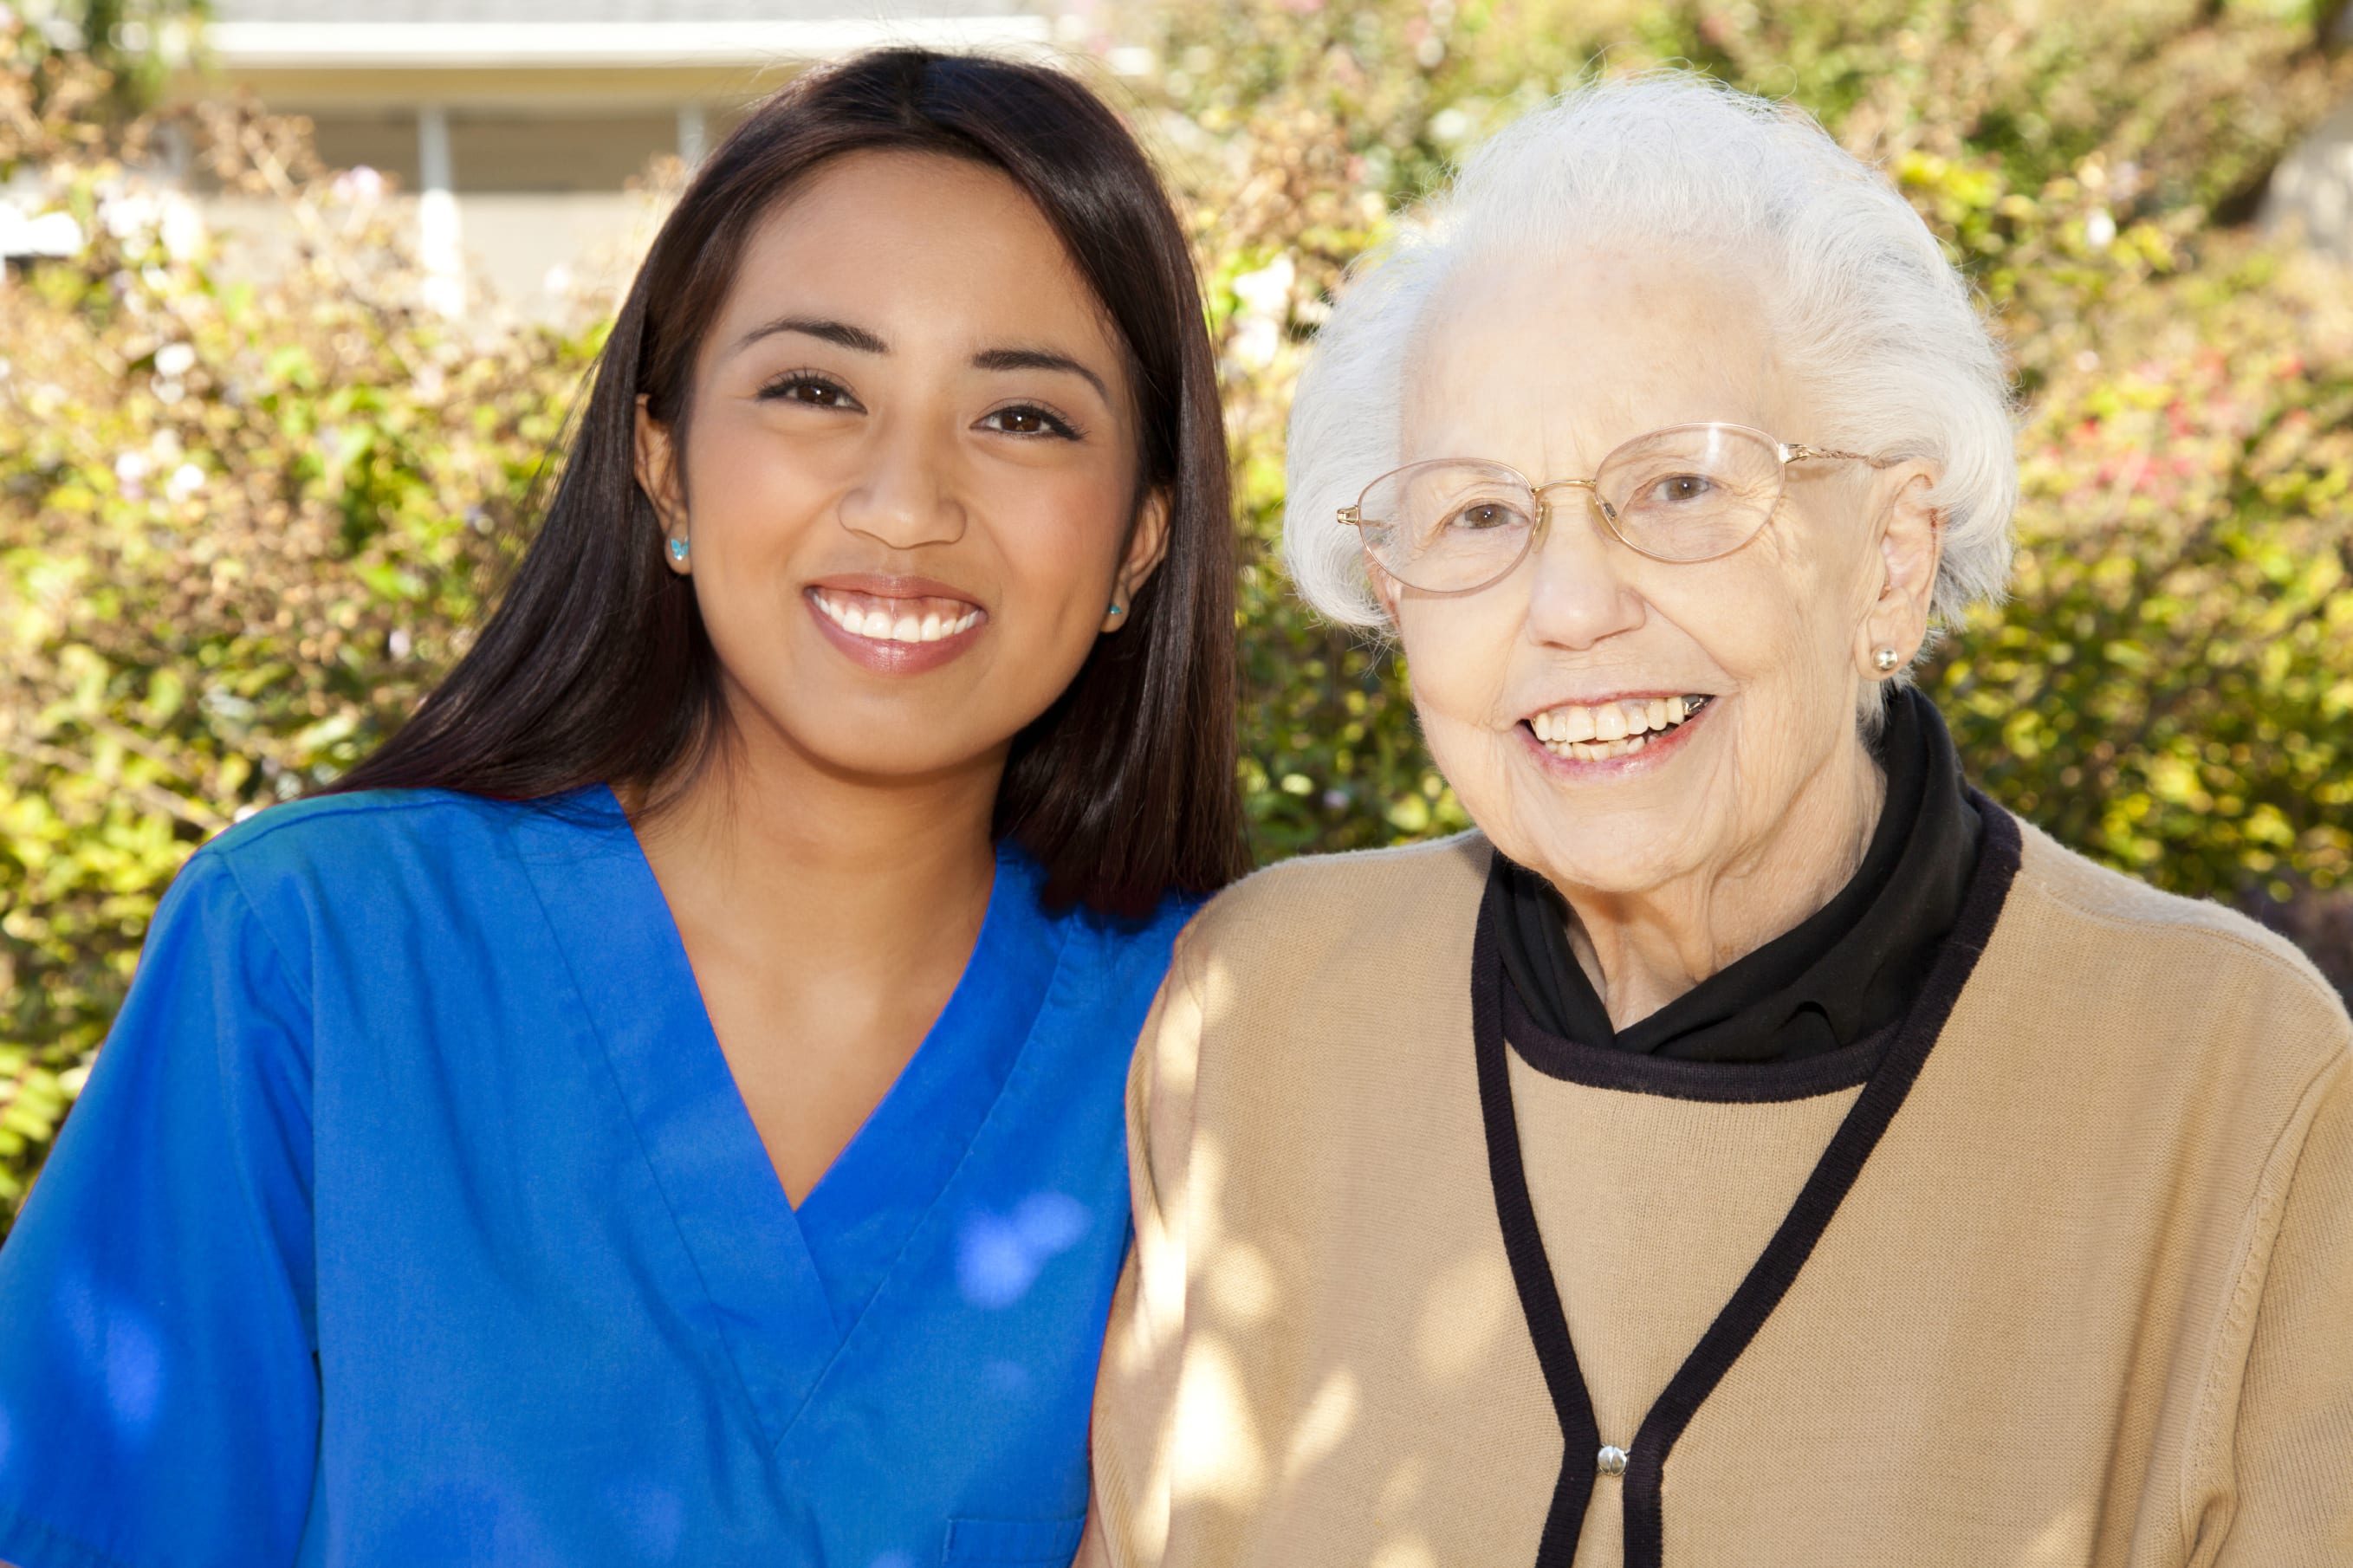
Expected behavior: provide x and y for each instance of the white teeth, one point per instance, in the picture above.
(1605, 730)
(882, 625)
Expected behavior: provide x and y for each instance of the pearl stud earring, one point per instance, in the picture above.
(1886, 659)
(678, 551)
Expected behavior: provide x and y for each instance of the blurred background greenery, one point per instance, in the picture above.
(246, 519)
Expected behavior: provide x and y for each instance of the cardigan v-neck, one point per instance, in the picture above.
(1884, 1066)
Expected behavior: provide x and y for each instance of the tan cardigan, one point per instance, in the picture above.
(2059, 1270)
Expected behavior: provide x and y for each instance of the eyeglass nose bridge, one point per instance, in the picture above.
(1592, 489)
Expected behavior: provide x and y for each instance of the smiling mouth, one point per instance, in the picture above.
(878, 618)
(1619, 728)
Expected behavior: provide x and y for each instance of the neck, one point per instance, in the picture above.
(1643, 949)
(833, 872)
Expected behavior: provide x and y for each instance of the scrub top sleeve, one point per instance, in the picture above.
(159, 1398)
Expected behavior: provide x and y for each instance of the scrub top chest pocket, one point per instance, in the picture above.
(1014, 1543)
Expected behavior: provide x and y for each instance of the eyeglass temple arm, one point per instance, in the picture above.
(1798, 452)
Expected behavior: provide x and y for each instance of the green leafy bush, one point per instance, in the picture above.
(243, 527)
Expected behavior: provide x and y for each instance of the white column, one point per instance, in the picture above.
(692, 135)
(439, 248)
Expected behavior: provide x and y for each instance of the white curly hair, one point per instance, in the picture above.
(1897, 355)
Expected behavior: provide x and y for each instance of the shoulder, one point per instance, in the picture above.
(393, 853)
(2172, 961)
(1299, 911)
(327, 831)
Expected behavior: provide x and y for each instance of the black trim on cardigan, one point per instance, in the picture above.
(1599, 1067)
(1515, 1211)
(1776, 1269)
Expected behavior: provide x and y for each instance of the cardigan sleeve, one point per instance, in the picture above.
(1136, 1391)
(2291, 1462)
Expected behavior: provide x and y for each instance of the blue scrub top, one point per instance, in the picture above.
(411, 1216)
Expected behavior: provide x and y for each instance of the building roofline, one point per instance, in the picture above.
(483, 45)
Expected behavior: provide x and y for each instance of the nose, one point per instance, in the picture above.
(1579, 593)
(906, 498)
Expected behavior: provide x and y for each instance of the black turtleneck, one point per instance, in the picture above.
(1847, 970)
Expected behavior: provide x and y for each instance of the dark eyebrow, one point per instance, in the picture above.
(841, 332)
(1037, 359)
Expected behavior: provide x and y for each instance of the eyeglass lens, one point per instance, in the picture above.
(1688, 494)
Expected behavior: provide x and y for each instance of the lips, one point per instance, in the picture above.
(895, 625)
(879, 619)
(1613, 729)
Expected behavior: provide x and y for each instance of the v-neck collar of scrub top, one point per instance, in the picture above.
(787, 1287)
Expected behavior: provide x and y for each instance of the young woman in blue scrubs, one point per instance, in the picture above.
(667, 1107)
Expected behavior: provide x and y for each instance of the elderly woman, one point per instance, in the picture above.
(1752, 1145)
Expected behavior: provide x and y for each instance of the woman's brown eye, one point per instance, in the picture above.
(809, 392)
(1028, 422)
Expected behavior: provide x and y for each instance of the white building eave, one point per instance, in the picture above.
(494, 45)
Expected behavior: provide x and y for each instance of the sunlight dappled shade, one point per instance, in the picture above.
(1242, 1287)
(1406, 1551)
(119, 1350)
(1468, 1307)
(1000, 1257)
(1324, 1426)
(1219, 1457)
(652, 1517)
(1008, 1379)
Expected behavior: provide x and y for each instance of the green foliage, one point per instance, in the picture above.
(242, 528)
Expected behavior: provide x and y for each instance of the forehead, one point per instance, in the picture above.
(918, 246)
(1548, 363)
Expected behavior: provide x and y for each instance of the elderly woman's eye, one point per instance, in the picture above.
(1483, 515)
(1680, 488)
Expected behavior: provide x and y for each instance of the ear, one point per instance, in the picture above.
(1384, 587)
(1911, 545)
(1148, 547)
(657, 470)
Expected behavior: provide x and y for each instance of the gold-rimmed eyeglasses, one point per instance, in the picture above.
(1687, 493)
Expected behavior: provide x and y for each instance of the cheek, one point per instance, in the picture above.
(1060, 540)
(1459, 663)
(1458, 657)
(1766, 616)
(748, 493)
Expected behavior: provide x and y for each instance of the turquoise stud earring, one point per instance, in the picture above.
(1116, 610)
(678, 551)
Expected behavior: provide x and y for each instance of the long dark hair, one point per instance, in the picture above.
(595, 665)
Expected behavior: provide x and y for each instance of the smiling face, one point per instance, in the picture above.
(909, 471)
(1619, 723)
